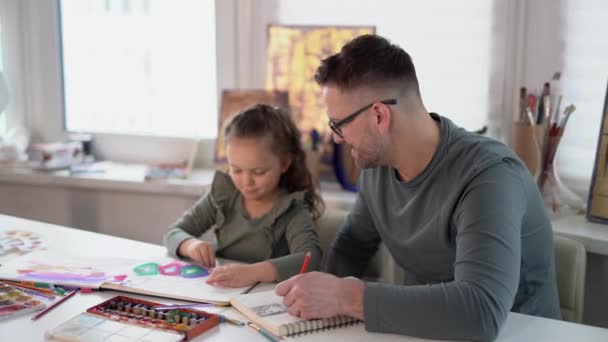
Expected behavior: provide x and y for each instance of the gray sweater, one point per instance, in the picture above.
(471, 234)
(282, 236)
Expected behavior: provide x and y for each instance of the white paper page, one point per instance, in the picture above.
(69, 270)
(173, 286)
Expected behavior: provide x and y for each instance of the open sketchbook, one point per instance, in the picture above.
(267, 309)
(163, 277)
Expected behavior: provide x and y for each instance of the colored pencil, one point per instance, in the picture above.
(33, 288)
(35, 293)
(305, 263)
(54, 305)
(264, 332)
(231, 320)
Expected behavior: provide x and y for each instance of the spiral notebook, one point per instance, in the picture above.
(267, 309)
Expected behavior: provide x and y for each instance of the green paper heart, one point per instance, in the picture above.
(193, 271)
(149, 268)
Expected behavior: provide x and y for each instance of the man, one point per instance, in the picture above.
(458, 212)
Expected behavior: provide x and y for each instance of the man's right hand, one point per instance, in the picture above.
(321, 295)
(199, 251)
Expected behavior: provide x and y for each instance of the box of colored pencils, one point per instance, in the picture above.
(188, 322)
(15, 301)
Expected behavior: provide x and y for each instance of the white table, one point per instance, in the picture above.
(74, 241)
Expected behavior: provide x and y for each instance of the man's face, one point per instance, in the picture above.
(359, 133)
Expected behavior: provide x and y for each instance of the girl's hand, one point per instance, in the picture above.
(234, 275)
(199, 251)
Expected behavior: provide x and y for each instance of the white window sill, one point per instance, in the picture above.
(130, 178)
(112, 177)
(594, 236)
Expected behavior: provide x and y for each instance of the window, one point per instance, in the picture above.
(143, 67)
(584, 80)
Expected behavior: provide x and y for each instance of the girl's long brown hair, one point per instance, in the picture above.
(283, 138)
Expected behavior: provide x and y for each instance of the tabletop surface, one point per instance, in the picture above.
(79, 242)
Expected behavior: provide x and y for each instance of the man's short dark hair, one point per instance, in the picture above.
(369, 60)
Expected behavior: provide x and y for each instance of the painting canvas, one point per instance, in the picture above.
(292, 57)
(234, 101)
(597, 207)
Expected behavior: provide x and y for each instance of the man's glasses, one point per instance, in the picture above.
(336, 127)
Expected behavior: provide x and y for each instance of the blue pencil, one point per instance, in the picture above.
(264, 332)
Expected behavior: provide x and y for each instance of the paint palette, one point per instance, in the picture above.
(126, 312)
(19, 241)
(91, 328)
(14, 302)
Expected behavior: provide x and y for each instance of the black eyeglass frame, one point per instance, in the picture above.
(336, 127)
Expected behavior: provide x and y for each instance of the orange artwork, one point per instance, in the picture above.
(292, 57)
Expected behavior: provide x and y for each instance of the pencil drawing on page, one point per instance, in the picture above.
(269, 309)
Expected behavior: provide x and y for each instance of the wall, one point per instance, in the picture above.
(139, 216)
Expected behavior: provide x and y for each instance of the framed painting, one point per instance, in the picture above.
(293, 55)
(597, 206)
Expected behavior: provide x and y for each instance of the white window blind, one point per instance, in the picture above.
(449, 41)
(140, 67)
(584, 81)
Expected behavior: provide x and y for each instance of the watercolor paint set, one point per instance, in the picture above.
(135, 319)
(14, 302)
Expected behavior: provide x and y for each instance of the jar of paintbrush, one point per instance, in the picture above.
(528, 131)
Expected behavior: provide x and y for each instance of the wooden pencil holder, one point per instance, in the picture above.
(526, 142)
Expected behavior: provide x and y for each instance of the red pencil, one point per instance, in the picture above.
(305, 263)
(54, 305)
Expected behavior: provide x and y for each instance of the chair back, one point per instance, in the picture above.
(570, 266)
(328, 226)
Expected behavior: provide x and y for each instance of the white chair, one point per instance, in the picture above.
(570, 266)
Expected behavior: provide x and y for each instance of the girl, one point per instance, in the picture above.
(261, 212)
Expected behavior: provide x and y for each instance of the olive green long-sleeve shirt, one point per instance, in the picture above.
(282, 236)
